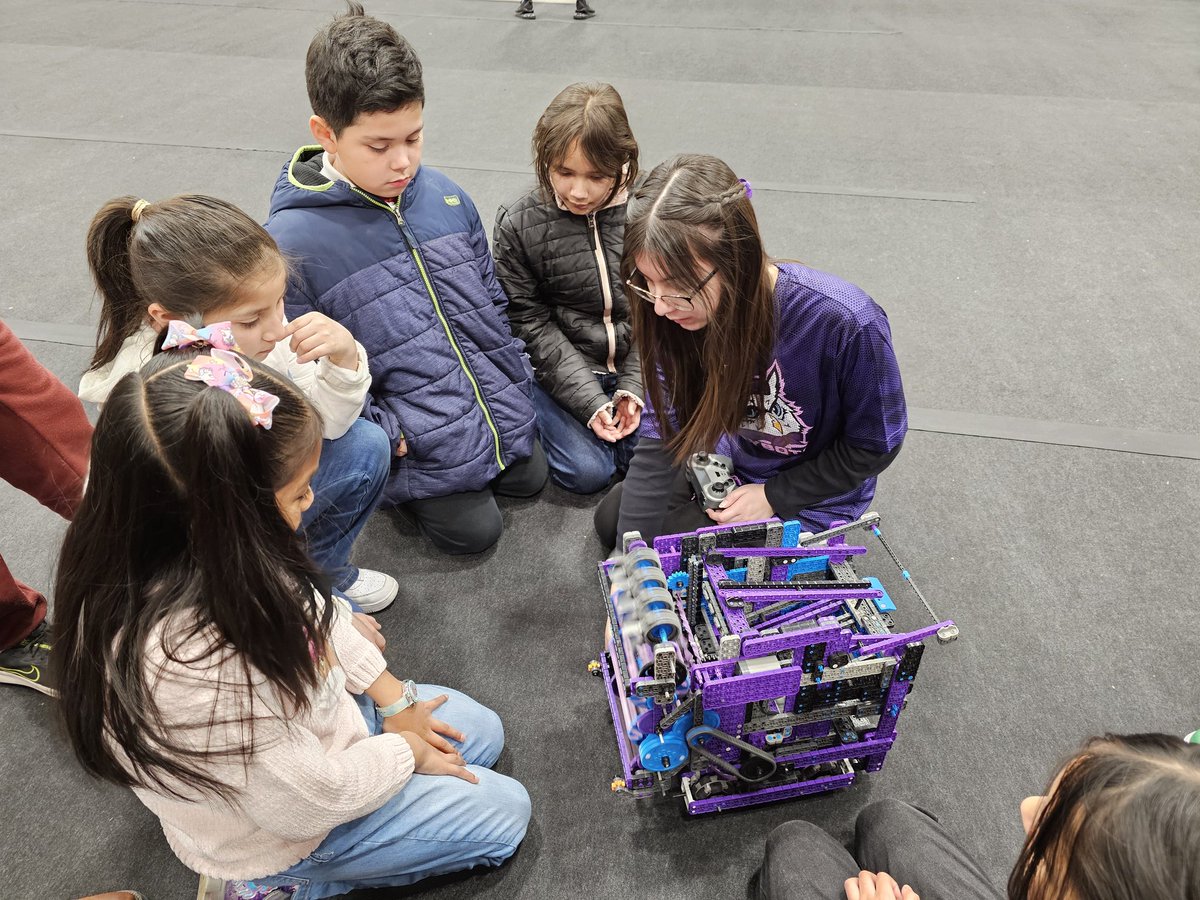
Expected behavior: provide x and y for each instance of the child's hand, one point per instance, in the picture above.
(315, 336)
(402, 448)
(746, 503)
(629, 416)
(428, 760)
(369, 628)
(602, 425)
(877, 886)
(419, 719)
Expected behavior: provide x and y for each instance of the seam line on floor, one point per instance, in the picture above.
(764, 186)
(933, 421)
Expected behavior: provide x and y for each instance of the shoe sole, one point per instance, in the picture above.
(378, 606)
(12, 678)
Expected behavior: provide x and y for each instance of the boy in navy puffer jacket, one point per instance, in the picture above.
(396, 252)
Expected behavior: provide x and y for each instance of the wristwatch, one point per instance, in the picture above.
(407, 699)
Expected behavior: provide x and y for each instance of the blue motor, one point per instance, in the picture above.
(668, 751)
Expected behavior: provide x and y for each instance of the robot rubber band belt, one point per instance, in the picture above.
(752, 663)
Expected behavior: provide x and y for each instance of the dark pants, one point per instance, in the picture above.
(470, 521)
(682, 513)
(803, 862)
(44, 443)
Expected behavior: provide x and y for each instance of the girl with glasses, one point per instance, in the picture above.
(787, 370)
(558, 256)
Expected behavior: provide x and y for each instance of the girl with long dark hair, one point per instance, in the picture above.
(788, 370)
(203, 663)
(1119, 821)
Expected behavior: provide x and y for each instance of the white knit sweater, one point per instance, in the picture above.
(309, 772)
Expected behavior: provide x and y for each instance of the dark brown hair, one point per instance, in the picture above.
(1121, 821)
(692, 215)
(180, 527)
(191, 254)
(594, 116)
(360, 64)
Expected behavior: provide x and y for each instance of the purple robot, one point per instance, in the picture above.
(750, 663)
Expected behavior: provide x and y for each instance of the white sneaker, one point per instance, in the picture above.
(373, 591)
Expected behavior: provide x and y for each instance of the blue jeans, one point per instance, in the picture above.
(346, 489)
(579, 461)
(435, 824)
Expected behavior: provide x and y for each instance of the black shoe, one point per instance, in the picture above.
(28, 663)
(582, 10)
(525, 9)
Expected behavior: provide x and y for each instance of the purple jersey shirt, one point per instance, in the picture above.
(833, 376)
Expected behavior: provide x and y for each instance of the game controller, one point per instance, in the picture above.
(711, 477)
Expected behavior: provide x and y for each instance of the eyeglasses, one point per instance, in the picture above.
(675, 301)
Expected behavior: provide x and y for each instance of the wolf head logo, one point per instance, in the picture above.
(781, 428)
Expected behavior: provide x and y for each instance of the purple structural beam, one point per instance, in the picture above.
(836, 639)
(870, 644)
(790, 552)
(856, 750)
(805, 612)
(770, 794)
(764, 597)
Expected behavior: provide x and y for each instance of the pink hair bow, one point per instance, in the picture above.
(218, 335)
(230, 373)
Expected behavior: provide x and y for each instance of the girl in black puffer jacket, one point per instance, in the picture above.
(558, 257)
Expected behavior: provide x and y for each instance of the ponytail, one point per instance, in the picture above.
(121, 311)
(190, 254)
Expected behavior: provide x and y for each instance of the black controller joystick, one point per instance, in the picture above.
(711, 477)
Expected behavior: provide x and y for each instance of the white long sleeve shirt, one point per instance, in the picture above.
(309, 772)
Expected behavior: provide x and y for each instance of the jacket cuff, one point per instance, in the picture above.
(641, 404)
(607, 406)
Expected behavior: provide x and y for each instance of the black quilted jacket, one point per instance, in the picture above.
(548, 263)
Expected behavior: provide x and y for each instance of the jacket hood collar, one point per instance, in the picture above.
(302, 183)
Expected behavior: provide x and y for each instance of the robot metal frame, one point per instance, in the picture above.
(753, 663)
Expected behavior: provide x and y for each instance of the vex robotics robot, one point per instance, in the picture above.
(752, 663)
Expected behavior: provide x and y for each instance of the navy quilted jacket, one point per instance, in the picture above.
(417, 289)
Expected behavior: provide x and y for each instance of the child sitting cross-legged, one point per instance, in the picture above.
(202, 260)
(204, 664)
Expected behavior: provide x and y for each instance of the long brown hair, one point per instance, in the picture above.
(191, 254)
(1121, 820)
(180, 526)
(594, 116)
(692, 214)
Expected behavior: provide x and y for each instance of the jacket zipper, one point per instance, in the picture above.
(606, 290)
(437, 308)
